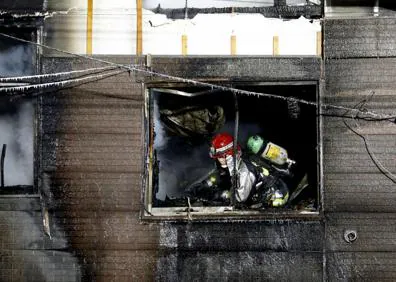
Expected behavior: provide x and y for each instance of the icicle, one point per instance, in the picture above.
(51, 75)
(198, 83)
(60, 84)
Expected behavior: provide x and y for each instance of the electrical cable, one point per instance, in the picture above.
(51, 75)
(369, 116)
(61, 51)
(373, 158)
(205, 84)
(376, 162)
(61, 84)
(391, 119)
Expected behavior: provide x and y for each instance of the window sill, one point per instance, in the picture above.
(225, 213)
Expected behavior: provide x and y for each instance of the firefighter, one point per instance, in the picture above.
(255, 185)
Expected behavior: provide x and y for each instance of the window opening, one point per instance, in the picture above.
(276, 148)
(17, 122)
(16, 139)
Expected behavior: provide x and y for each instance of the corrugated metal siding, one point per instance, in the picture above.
(365, 37)
(241, 251)
(240, 68)
(240, 266)
(91, 164)
(92, 153)
(362, 266)
(96, 173)
(357, 195)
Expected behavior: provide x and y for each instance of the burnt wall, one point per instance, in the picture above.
(359, 38)
(359, 73)
(91, 167)
(266, 250)
(91, 154)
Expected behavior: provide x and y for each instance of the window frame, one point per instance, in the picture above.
(34, 189)
(204, 213)
(35, 34)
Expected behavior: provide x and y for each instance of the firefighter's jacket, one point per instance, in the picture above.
(255, 184)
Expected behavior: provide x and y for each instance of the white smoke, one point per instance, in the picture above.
(181, 163)
(17, 118)
(16, 60)
(177, 168)
(16, 131)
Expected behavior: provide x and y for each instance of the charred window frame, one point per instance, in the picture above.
(19, 115)
(300, 113)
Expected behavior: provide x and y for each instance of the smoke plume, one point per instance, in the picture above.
(17, 118)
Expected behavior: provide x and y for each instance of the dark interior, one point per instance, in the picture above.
(185, 159)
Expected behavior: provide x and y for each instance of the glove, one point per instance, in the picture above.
(279, 199)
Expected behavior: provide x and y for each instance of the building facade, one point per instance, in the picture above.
(86, 218)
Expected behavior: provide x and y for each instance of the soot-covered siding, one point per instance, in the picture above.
(359, 38)
(358, 196)
(90, 169)
(91, 146)
(265, 250)
(92, 159)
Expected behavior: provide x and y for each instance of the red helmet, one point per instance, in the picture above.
(222, 146)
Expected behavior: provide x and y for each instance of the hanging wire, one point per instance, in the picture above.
(373, 158)
(53, 75)
(61, 51)
(210, 85)
(61, 84)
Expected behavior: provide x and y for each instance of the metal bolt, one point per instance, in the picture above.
(350, 236)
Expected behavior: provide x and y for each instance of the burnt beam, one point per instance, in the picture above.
(17, 20)
(279, 10)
